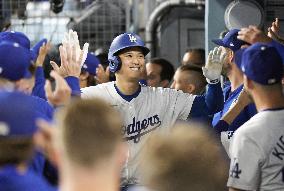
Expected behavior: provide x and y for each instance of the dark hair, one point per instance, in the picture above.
(195, 76)
(168, 69)
(190, 68)
(200, 52)
(15, 150)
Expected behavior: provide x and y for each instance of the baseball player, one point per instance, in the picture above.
(160, 72)
(95, 159)
(230, 44)
(18, 132)
(147, 109)
(89, 68)
(257, 149)
(13, 70)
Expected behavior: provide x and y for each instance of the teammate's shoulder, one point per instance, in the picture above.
(249, 128)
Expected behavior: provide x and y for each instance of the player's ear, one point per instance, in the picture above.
(191, 88)
(231, 55)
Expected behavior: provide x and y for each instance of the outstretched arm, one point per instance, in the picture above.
(213, 100)
(38, 89)
(72, 59)
(243, 101)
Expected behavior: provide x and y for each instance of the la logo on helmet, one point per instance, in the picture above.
(132, 38)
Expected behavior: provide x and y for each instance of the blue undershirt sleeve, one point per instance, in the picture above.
(38, 89)
(73, 83)
(210, 103)
(221, 126)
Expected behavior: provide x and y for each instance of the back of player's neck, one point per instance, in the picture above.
(267, 102)
(90, 180)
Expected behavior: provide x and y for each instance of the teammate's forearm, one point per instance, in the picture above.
(214, 98)
(208, 104)
(38, 89)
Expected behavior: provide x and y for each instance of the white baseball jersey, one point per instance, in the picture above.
(154, 109)
(257, 153)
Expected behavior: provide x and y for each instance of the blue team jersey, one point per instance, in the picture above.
(12, 180)
(229, 100)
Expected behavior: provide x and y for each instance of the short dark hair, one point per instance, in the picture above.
(200, 52)
(190, 68)
(195, 76)
(168, 69)
(16, 150)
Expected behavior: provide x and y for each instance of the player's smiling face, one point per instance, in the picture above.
(133, 63)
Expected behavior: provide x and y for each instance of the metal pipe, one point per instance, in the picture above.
(157, 13)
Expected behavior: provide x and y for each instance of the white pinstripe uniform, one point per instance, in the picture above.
(152, 110)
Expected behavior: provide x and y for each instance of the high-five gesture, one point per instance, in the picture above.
(72, 57)
(71, 38)
(214, 64)
(62, 93)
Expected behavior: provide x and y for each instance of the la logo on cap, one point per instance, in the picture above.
(132, 38)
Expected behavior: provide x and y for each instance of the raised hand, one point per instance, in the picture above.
(42, 53)
(70, 65)
(253, 35)
(273, 31)
(62, 93)
(72, 39)
(213, 66)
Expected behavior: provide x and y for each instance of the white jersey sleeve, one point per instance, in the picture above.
(246, 160)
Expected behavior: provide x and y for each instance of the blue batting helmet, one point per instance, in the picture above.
(121, 42)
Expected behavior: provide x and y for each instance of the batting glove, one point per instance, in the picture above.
(213, 66)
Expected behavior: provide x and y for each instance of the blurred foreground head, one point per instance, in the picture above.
(89, 133)
(187, 159)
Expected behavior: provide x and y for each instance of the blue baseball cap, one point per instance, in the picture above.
(17, 115)
(238, 57)
(14, 61)
(23, 40)
(18, 37)
(260, 63)
(230, 40)
(91, 64)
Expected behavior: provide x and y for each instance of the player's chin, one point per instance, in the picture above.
(135, 77)
(135, 73)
